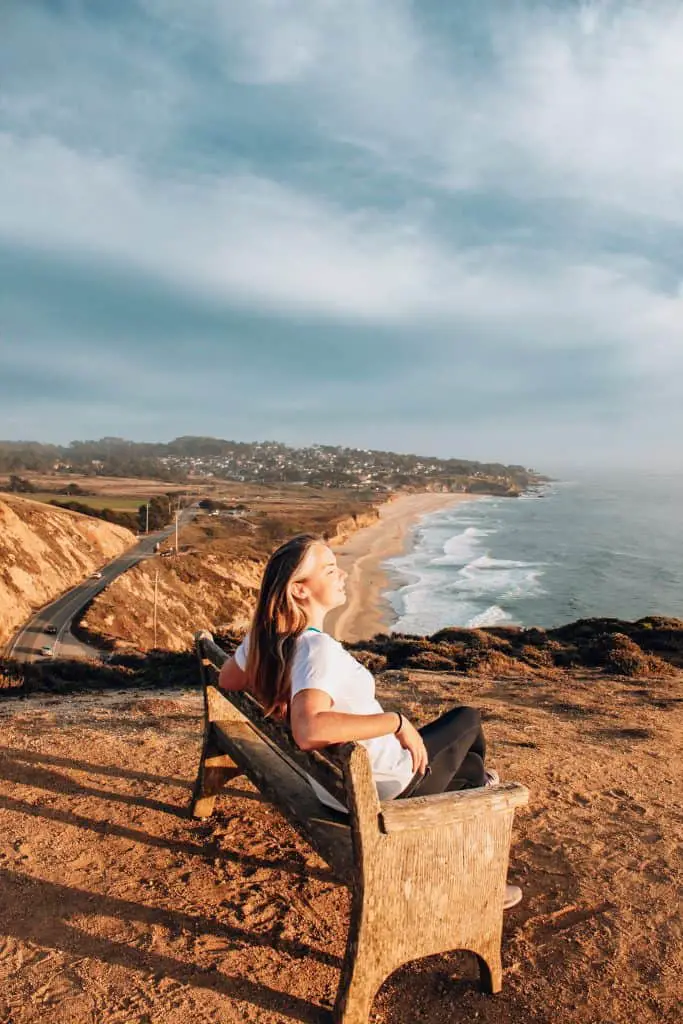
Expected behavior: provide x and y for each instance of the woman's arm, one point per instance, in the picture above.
(231, 676)
(314, 726)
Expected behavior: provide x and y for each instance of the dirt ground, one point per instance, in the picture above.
(117, 907)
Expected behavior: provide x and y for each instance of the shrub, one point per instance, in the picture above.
(431, 661)
(373, 662)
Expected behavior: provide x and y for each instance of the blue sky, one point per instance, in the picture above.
(454, 229)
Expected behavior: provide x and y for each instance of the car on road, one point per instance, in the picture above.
(47, 652)
(50, 630)
(96, 576)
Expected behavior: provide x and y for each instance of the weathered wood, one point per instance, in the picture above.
(425, 812)
(214, 772)
(427, 874)
(327, 832)
(215, 767)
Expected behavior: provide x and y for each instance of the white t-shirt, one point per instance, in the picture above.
(321, 663)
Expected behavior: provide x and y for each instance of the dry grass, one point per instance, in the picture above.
(650, 647)
(96, 501)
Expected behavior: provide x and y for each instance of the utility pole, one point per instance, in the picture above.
(156, 591)
(147, 519)
(176, 530)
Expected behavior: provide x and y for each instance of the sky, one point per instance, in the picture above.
(454, 229)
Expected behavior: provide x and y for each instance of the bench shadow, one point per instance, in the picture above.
(23, 893)
(207, 850)
(451, 978)
(57, 782)
(31, 757)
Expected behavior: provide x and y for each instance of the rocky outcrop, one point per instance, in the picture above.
(652, 646)
(346, 527)
(45, 551)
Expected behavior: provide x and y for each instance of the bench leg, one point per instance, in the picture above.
(490, 971)
(361, 975)
(357, 989)
(215, 770)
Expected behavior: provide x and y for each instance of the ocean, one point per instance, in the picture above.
(575, 549)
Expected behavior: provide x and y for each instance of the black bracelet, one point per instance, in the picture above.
(400, 723)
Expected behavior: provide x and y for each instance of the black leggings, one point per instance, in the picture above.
(456, 747)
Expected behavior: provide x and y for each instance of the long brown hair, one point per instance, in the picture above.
(277, 622)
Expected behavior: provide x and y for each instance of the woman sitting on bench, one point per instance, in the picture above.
(293, 668)
(297, 671)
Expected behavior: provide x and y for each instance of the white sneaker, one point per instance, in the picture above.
(513, 896)
(492, 777)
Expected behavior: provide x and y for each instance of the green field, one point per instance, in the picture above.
(120, 503)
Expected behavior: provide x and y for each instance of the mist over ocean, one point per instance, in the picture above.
(578, 548)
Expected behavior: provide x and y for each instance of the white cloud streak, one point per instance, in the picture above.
(574, 101)
(246, 240)
(572, 105)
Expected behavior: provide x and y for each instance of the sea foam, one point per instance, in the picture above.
(450, 578)
(599, 546)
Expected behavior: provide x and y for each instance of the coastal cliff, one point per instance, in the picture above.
(198, 592)
(345, 528)
(44, 552)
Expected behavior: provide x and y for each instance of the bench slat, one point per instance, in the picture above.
(326, 831)
(425, 812)
(313, 763)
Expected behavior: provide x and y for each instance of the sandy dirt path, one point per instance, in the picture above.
(116, 907)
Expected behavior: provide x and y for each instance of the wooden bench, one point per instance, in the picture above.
(426, 874)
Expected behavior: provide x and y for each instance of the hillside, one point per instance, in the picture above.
(267, 462)
(148, 915)
(45, 551)
(213, 582)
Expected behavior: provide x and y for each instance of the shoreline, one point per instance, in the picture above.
(366, 611)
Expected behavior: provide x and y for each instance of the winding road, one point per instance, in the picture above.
(58, 616)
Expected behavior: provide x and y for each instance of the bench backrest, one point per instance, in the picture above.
(324, 768)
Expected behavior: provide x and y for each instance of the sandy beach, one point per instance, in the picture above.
(366, 612)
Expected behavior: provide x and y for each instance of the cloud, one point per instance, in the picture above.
(576, 101)
(429, 207)
(251, 242)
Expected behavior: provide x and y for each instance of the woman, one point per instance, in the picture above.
(295, 669)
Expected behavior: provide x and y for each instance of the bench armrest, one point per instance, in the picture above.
(424, 812)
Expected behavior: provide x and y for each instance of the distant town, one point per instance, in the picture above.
(267, 462)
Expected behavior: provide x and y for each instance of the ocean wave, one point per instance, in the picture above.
(491, 616)
(470, 533)
(591, 547)
(486, 562)
(423, 610)
(506, 584)
(462, 547)
(450, 576)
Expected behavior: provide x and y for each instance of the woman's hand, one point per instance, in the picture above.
(410, 739)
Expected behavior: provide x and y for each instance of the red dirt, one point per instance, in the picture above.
(119, 908)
